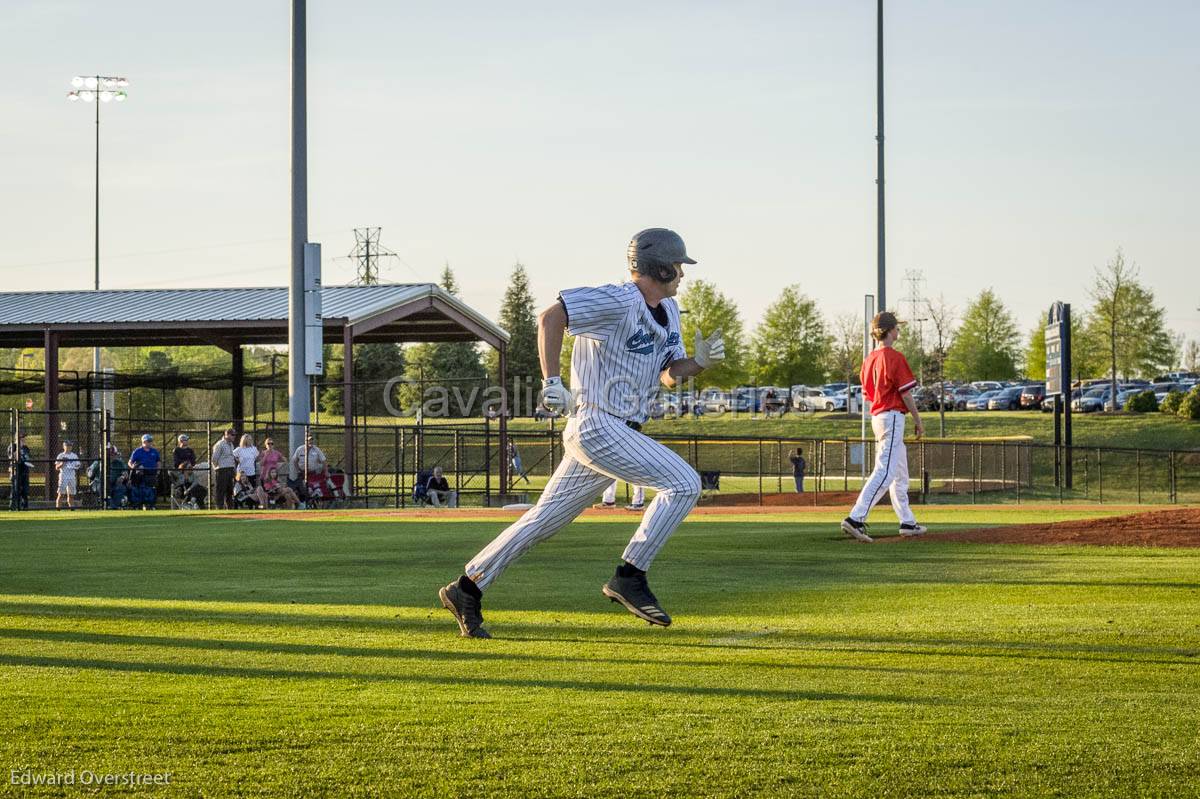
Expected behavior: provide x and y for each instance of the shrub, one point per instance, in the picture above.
(1145, 402)
(1170, 403)
(1189, 407)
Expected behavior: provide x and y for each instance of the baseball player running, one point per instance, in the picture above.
(887, 384)
(627, 341)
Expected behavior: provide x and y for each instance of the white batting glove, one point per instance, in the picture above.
(555, 396)
(709, 350)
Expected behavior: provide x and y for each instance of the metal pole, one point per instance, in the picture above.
(96, 286)
(882, 289)
(298, 383)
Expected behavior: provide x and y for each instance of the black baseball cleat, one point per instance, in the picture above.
(856, 530)
(634, 593)
(912, 530)
(467, 610)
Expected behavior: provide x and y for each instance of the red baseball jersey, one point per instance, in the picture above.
(885, 377)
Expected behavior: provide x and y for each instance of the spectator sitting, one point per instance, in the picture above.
(118, 478)
(438, 490)
(277, 491)
(245, 492)
(248, 457)
(67, 463)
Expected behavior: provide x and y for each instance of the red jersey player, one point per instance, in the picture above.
(887, 383)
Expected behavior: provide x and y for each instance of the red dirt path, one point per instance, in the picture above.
(1163, 528)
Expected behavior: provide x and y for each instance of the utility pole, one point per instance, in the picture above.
(881, 290)
(298, 383)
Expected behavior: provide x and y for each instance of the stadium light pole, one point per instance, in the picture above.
(298, 383)
(881, 289)
(97, 90)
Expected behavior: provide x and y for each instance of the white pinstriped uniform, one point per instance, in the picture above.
(620, 352)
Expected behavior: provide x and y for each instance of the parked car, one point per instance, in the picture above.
(980, 401)
(1008, 399)
(956, 397)
(1048, 402)
(926, 398)
(987, 385)
(1092, 400)
(834, 387)
(1032, 396)
(716, 401)
(807, 399)
(1161, 390)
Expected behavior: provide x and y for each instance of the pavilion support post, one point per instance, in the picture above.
(237, 380)
(50, 440)
(503, 376)
(348, 401)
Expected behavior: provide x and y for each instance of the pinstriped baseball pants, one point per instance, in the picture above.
(599, 448)
(891, 469)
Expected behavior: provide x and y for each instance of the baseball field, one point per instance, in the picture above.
(306, 655)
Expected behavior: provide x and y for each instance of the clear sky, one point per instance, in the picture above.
(1026, 142)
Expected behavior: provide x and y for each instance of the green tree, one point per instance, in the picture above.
(445, 378)
(1035, 353)
(519, 319)
(1128, 322)
(987, 342)
(846, 348)
(705, 308)
(374, 366)
(911, 343)
(1191, 355)
(790, 344)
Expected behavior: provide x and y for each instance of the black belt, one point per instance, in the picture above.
(635, 425)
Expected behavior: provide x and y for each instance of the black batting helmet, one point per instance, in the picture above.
(655, 251)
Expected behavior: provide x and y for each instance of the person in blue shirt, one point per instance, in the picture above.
(143, 474)
(146, 457)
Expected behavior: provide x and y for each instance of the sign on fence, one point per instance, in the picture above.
(1058, 350)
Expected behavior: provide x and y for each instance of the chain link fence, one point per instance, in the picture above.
(390, 461)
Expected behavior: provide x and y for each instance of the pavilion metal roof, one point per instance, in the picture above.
(410, 311)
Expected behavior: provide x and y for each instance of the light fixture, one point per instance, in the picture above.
(76, 81)
(120, 97)
(91, 82)
(87, 97)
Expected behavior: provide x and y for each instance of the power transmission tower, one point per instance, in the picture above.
(913, 303)
(366, 254)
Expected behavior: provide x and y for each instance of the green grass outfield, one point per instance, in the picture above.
(308, 657)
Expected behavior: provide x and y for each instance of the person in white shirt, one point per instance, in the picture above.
(308, 460)
(247, 456)
(67, 464)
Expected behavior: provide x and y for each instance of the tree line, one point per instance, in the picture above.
(1120, 333)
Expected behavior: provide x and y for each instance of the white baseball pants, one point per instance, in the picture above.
(891, 469)
(598, 449)
(610, 494)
